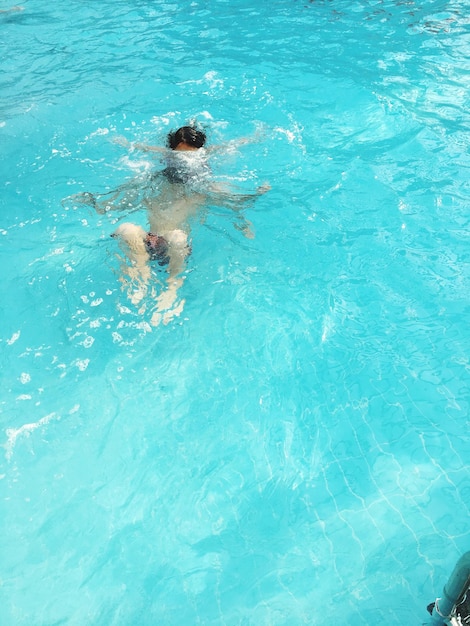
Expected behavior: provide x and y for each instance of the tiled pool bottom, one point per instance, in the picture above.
(292, 449)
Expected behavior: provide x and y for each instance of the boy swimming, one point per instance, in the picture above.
(172, 197)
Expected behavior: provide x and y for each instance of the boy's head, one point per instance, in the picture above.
(186, 135)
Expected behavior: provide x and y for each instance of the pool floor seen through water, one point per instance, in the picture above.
(291, 448)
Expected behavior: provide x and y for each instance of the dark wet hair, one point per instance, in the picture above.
(186, 134)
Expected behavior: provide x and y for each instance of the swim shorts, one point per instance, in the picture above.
(157, 248)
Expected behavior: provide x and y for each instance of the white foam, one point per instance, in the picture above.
(25, 430)
(14, 338)
(82, 364)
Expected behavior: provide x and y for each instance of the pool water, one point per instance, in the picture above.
(293, 447)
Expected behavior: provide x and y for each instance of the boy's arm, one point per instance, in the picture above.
(122, 141)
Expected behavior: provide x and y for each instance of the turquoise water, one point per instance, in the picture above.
(293, 448)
